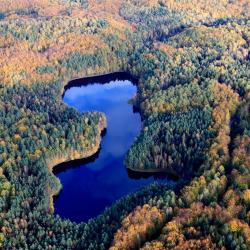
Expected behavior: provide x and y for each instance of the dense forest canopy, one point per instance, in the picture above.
(192, 61)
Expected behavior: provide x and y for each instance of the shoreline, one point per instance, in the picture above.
(153, 171)
(64, 157)
(70, 154)
(78, 80)
(76, 155)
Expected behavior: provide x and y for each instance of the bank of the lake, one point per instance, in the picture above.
(91, 185)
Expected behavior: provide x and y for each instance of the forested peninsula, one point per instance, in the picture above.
(191, 60)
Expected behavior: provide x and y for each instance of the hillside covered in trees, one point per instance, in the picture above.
(192, 61)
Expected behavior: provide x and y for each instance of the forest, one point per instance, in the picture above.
(192, 62)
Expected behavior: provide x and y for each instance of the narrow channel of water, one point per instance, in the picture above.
(92, 184)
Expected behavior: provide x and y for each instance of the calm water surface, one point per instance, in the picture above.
(93, 184)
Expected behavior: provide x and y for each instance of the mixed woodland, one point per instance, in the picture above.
(192, 62)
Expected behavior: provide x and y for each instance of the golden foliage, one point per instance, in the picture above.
(154, 245)
(100, 7)
(236, 225)
(201, 9)
(45, 7)
(240, 153)
(59, 36)
(197, 244)
(18, 64)
(69, 43)
(137, 227)
(168, 49)
(246, 196)
(185, 231)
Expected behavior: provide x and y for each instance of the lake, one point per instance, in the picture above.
(92, 184)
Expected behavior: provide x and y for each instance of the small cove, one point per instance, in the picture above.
(90, 185)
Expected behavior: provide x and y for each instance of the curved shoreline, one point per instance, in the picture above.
(78, 80)
(154, 171)
(71, 154)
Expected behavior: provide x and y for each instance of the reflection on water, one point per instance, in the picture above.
(92, 184)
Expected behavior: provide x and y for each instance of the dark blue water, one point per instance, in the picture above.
(93, 184)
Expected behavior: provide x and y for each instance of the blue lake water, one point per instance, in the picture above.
(93, 184)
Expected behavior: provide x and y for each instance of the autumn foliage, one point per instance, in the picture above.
(138, 227)
(191, 59)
